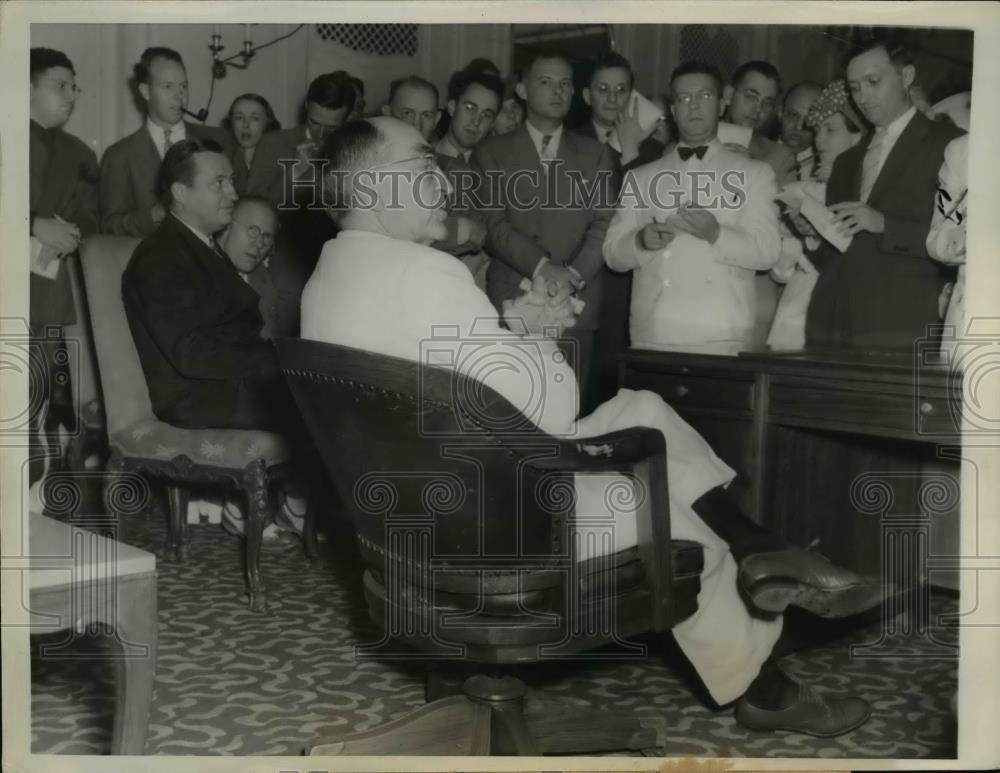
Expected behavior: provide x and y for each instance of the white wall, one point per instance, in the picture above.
(103, 55)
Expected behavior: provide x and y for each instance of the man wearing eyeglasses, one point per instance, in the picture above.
(472, 112)
(62, 191)
(751, 101)
(129, 206)
(249, 242)
(609, 95)
(693, 228)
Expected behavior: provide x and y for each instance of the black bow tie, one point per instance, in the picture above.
(685, 152)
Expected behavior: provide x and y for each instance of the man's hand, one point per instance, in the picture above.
(559, 278)
(539, 310)
(657, 236)
(630, 133)
(158, 212)
(853, 216)
(477, 234)
(61, 236)
(699, 223)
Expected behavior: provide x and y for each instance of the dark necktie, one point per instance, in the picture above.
(685, 152)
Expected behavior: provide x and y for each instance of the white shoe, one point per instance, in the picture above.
(291, 515)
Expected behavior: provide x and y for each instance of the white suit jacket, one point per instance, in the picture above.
(695, 294)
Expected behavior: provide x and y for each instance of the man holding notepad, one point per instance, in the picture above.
(881, 290)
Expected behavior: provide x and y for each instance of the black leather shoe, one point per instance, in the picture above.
(774, 581)
(811, 713)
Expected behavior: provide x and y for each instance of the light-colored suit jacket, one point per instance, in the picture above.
(695, 294)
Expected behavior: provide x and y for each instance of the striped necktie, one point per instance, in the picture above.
(546, 152)
(167, 142)
(870, 168)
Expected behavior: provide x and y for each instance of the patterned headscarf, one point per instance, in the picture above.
(833, 99)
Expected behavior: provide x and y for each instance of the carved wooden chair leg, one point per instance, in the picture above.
(177, 521)
(258, 510)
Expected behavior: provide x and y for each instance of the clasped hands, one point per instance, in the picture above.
(698, 222)
(544, 307)
(57, 234)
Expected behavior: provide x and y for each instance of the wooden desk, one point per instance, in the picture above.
(78, 578)
(827, 445)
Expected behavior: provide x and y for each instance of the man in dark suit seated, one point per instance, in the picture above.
(883, 291)
(560, 237)
(195, 322)
(129, 206)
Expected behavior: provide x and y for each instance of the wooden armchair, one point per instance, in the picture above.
(249, 461)
(465, 519)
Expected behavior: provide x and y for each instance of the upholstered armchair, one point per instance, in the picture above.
(475, 556)
(244, 460)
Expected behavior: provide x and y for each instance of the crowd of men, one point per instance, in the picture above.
(615, 232)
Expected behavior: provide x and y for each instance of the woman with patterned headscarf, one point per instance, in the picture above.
(836, 127)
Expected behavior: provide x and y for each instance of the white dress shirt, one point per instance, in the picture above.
(892, 132)
(159, 135)
(696, 296)
(603, 133)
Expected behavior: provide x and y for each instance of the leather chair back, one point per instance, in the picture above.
(429, 450)
(126, 396)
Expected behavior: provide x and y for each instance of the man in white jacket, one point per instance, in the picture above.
(379, 287)
(694, 226)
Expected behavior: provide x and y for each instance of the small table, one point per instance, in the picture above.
(79, 578)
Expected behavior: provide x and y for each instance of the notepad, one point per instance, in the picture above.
(648, 115)
(44, 260)
(797, 196)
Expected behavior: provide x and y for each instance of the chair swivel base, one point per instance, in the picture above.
(489, 718)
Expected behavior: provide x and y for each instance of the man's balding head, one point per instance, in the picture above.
(794, 132)
(384, 179)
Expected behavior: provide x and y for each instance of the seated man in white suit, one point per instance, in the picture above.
(694, 226)
(379, 287)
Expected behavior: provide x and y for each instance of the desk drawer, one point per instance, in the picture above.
(887, 413)
(681, 390)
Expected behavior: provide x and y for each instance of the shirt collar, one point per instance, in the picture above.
(447, 148)
(536, 137)
(602, 132)
(894, 129)
(207, 240)
(177, 132)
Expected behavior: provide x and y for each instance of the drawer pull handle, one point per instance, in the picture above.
(681, 390)
(926, 408)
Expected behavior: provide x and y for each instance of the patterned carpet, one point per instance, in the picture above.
(230, 682)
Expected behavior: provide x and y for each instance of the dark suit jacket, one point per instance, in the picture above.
(128, 179)
(883, 291)
(530, 213)
(62, 181)
(650, 149)
(265, 176)
(196, 326)
(780, 158)
(454, 168)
